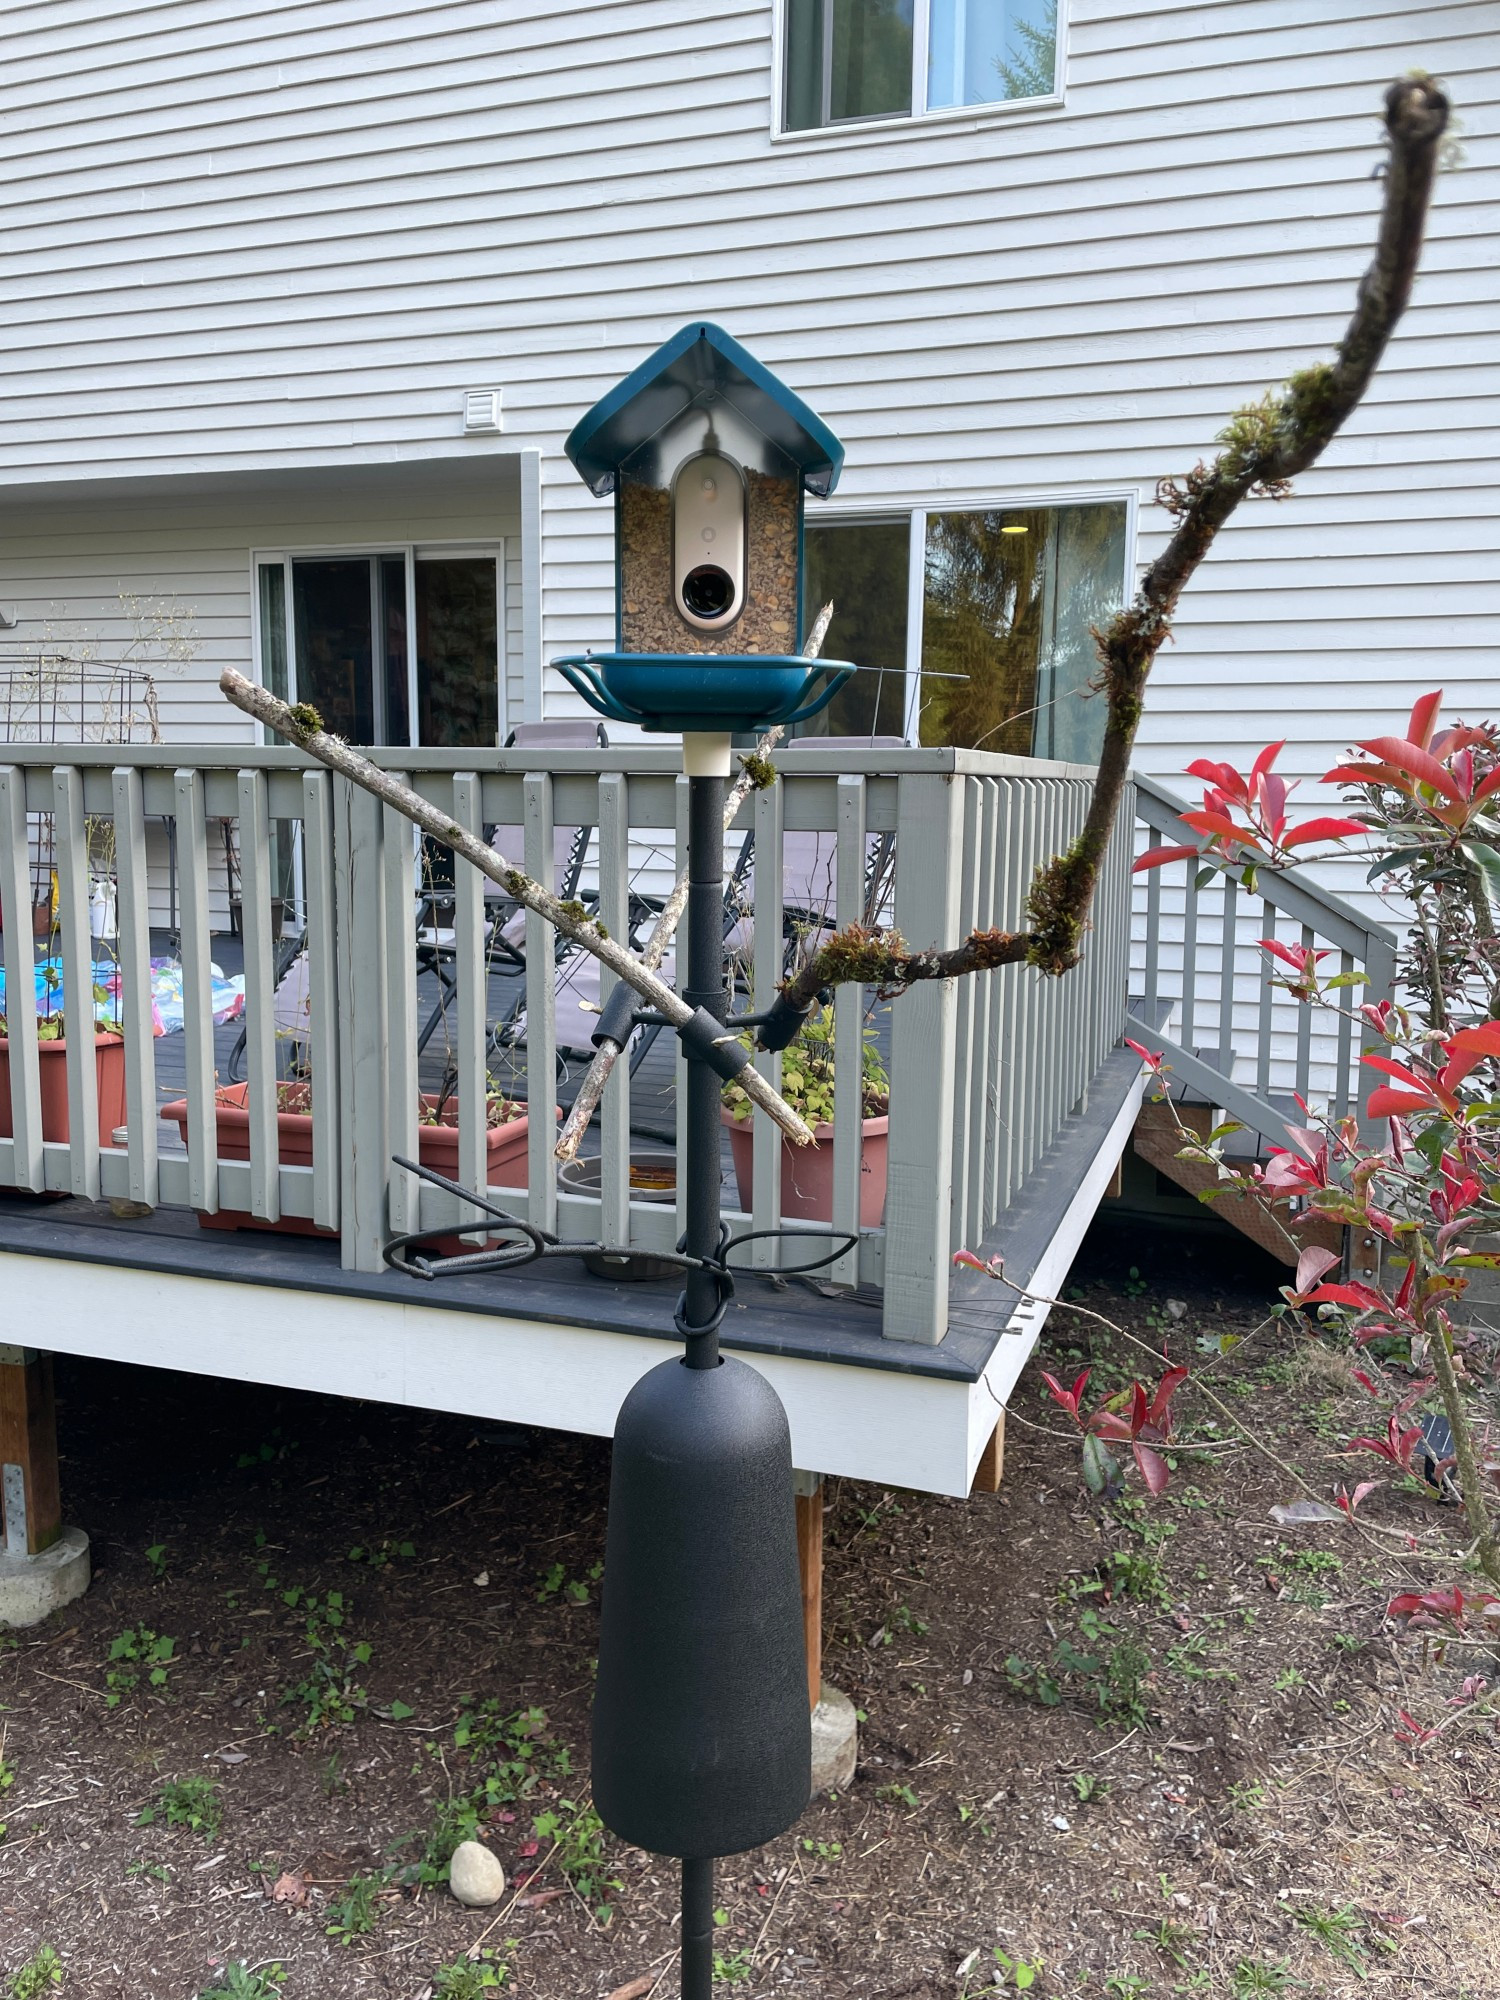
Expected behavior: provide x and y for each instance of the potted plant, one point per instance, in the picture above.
(807, 1084)
(507, 1126)
(52, 1051)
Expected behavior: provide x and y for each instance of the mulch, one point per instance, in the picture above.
(1132, 1747)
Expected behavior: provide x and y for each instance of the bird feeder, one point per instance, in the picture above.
(709, 459)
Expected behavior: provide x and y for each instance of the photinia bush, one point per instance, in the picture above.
(1427, 806)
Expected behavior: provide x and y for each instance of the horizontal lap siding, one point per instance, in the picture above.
(64, 565)
(235, 241)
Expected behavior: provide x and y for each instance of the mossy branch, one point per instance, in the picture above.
(1265, 445)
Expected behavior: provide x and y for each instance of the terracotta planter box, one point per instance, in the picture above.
(437, 1147)
(807, 1171)
(109, 1074)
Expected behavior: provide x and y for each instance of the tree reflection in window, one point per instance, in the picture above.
(1011, 598)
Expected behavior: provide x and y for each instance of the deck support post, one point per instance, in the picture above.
(808, 1487)
(835, 1726)
(991, 1467)
(43, 1565)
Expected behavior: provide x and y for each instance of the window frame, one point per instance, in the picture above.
(893, 124)
(410, 553)
(966, 501)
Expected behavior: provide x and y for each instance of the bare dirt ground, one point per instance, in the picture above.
(1148, 1750)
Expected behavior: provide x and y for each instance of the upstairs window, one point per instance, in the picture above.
(849, 61)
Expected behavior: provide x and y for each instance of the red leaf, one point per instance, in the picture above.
(1424, 715)
(1353, 1294)
(1161, 1402)
(1323, 829)
(1484, 1039)
(1408, 757)
(1388, 1103)
(1153, 1468)
(1158, 857)
(1212, 822)
(1153, 1061)
(1311, 1265)
(1266, 759)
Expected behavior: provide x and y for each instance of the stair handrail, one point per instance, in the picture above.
(1323, 914)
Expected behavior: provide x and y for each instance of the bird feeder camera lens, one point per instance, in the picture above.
(708, 591)
(709, 512)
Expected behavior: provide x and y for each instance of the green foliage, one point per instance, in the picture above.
(732, 1967)
(330, 1691)
(1344, 1934)
(41, 1972)
(38, 1976)
(998, 1969)
(579, 1835)
(135, 1652)
(904, 1795)
(353, 1914)
(469, 1978)
(190, 1802)
(381, 1553)
(156, 1555)
(807, 1074)
(239, 1981)
(1254, 1976)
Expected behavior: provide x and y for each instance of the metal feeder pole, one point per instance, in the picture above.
(705, 989)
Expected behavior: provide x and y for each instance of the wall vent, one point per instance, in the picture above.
(481, 412)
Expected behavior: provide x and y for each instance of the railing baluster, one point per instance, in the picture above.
(541, 1014)
(1228, 943)
(1000, 982)
(322, 986)
(197, 990)
(1188, 1015)
(982, 1066)
(398, 856)
(1349, 998)
(848, 1033)
(260, 996)
(614, 1110)
(72, 858)
(1153, 940)
(364, 1073)
(1304, 1031)
(770, 827)
(134, 918)
(1263, 1023)
(471, 997)
(929, 812)
(966, 863)
(29, 1167)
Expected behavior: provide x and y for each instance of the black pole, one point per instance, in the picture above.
(697, 1930)
(705, 989)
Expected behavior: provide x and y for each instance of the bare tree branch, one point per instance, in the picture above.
(303, 726)
(1265, 446)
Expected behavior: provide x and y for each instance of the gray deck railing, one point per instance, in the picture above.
(983, 1072)
(1235, 1040)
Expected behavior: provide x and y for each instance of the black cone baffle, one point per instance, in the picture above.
(701, 1736)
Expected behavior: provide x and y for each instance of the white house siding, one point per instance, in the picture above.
(67, 563)
(292, 236)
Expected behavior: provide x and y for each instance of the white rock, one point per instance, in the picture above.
(475, 1876)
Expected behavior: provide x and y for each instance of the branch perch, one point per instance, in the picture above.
(303, 726)
(1265, 446)
(608, 1052)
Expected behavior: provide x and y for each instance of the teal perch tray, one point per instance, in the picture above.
(698, 693)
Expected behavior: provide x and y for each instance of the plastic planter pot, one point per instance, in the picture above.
(437, 1147)
(109, 1074)
(807, 1171)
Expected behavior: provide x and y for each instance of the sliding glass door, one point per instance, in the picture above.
(391, 647)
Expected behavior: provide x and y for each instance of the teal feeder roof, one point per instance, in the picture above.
(700, 368)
